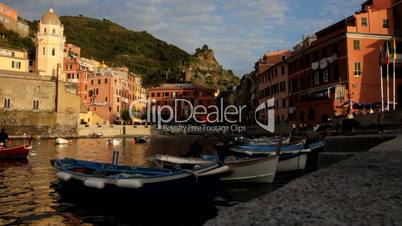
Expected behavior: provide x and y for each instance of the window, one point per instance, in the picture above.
(152, 94)
(158, 94)
(86, 87)
(106, 99)
(325, 75)
(99, 81)
(358, 71)
(110, 109)
(283, 57)
(71, 66)
(284, 103)
(16, 64)
(364, 21)
(92, 82)
(166, 94)
(53, 52)
(54, 31)
(44, 51)
(44, 30)
(316, 78)
(78, 76)
(385, 23)
(105, 80)
(282, 70)
(118, 109)
(35, 104)
(68, 76)
(356, 44)
(7, 103)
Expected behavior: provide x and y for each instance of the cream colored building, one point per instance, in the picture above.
(50, 41)
(13, 60)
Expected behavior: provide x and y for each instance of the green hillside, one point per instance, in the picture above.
(104, 40)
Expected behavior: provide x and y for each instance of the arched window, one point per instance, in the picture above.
(45, 30)
(44, 50)
(54, 31)
(53, 51)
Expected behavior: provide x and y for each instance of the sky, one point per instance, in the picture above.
(239, 31)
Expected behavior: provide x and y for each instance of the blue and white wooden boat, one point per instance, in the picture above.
(292, 157)
(266, 148)
(139, 183)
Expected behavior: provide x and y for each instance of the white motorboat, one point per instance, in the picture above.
(62, 141)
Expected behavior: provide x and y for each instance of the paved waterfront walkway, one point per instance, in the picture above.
(363, 190)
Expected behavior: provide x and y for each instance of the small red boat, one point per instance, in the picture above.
(15, 152)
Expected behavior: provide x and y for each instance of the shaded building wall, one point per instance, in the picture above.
(21, 118)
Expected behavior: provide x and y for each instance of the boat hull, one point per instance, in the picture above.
(259, 170)
(186, 186)
(15, 152)
(292, 163)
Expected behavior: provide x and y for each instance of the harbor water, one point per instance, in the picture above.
(29, 196)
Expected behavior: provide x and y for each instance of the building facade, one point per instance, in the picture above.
(195, 94)
(9, 18)
(273, 83)
(112, 91)
(341, 66)
(271, 80)
(14, 60)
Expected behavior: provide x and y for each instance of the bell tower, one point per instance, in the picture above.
(49, 42)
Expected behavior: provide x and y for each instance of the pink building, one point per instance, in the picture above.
(111, 92)
(75, 72)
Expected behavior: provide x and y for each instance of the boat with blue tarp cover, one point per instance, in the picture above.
(104, 180)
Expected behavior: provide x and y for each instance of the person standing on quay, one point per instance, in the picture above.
(3, 138)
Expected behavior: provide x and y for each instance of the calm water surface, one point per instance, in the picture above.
(28, 195)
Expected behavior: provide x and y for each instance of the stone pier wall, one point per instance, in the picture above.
(45, 124)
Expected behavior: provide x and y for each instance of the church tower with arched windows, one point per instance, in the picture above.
(49, 42)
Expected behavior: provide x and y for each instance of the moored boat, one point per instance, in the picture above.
(242, 169)
(140, 183)
(61, 141)
(21, 151)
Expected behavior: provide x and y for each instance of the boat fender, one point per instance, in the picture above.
(95, 183)
(129, 183)
(63, 176)
(192, 173)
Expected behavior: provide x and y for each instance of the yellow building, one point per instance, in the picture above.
(91, 118)
(50, 41)
(13, 60)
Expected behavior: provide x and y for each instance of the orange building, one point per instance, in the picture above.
(9, 18)
(167, 94)
(340, 66)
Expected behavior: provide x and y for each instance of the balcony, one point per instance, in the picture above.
(124, 100)
(101, 104)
